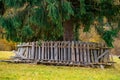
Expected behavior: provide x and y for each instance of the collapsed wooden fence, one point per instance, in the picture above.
(64, 52)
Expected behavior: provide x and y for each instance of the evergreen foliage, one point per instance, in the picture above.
(43, 19)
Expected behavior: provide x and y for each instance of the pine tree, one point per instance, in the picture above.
(30, 20)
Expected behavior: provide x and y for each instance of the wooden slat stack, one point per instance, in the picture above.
(65, 52)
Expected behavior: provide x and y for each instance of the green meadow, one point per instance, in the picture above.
(18, 71)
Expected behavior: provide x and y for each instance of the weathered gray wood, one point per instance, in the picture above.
(81, 54)
(85, 54)
(51, 50)
(48, 51)
(88, 53)
(92, 54)
(39, 53)
(77, 52)
(101, 59)
(103, 54)
(55, 52)
(21, 49)
(73, 52)
(45, 51)
(20, 56)
(59, 51)
(22, 52)
(42, 50)
(69, 53)
(98, 51)
(33, 50)
(108, 56)
(64, 52)
(30, 52)
(95, 55)
(105, 57)
(27, 52)
(36, 51)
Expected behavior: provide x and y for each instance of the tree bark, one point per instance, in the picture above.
(2, 9)
(68, 31)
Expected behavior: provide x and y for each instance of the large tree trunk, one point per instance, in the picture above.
(2, 9)
(68, 30)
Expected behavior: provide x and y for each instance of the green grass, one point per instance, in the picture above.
(12, 71)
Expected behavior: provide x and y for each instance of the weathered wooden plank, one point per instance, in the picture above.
(105, 59)
(48, 51)
(102, 50)
(103, 54)
(23, 51)
(77, 52)
(81, 54)
(85, 54)
(30, 48)
(45, 51)
(55, 52)
(69, 51)
(33, 50)
(88, 53)
(39, 53)
(65, 57)
(51, 50)
(42, 51)
(36, 51)
(98, 51)
(59, 56)
(20, 55)
(73, 52)
(27, 52)
(92, 54)
(95, 54)
(66, 52)
(108, 56)
(62, 51)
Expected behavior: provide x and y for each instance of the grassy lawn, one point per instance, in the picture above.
(12, 71)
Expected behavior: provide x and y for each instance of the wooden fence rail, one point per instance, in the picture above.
(74, 52)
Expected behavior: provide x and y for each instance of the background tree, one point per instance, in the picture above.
(30, 20)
